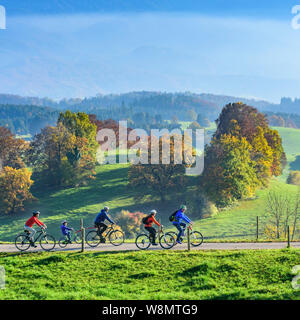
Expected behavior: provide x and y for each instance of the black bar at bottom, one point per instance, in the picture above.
(132, 309)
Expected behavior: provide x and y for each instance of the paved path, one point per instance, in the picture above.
(132, 247)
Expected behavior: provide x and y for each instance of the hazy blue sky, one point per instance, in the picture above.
(241, 48)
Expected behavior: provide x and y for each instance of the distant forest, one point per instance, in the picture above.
(27, 115)
(288, 120)
(26, 119)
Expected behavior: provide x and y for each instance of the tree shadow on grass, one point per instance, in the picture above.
(53, 259)
(196, 270)
(142, 275)
(104, 188)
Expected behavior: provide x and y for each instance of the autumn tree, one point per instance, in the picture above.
(80, 125)
(229, 173)
(161, 179)
(130, 222)
(65, 154)
(282, 210)
(14, 189)
(109, 124)
(12, 149)
(244, 136)
(247, 118)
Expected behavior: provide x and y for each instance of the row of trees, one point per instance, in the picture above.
(284, 120)
(59, 156)
(242, 156)
(28, 119)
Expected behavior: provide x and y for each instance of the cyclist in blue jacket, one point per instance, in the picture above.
(99, 222)
(179, 222)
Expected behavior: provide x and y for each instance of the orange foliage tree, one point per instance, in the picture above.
(14, 189)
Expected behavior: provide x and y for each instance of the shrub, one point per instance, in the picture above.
(130, 222)
(294, 178)
(200, 207)
(270, 232)
(209, 210)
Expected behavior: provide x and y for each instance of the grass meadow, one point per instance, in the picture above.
(256, 274)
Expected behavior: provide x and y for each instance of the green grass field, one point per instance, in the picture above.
(291, 142)
(174, 275)
(239, 223)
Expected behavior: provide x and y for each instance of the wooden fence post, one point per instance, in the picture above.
(288, 237)
(189, 239)
(159, 231)
(257, 227)
(82, 235)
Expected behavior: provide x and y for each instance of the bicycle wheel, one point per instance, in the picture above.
(47, 242)
(62, 242)
(196, 238)
(167, 240)
(142, 241)
(92, 239)
(174, 234)
(22, 242)
(116, 237)
(77, 238)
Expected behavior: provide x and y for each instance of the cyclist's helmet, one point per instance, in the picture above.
(106, 208)
(183, 207)
(64, 221)
(153, 211)
(35, 213)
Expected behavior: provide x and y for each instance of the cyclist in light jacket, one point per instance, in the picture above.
(180, 222)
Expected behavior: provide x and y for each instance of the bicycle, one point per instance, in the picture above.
(196, 237)
(47, 242)
(115, 236)
(75, 237)
(166, 240)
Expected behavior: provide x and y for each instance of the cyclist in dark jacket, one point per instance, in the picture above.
(99, 222)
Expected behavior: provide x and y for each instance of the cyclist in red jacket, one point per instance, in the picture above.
(29, 224)
(148, 226)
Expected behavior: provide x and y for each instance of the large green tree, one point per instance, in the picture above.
(65, 154)
(244, 153)
(229, 172)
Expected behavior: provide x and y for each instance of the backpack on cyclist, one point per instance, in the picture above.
(145, 219)
(172, 216)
